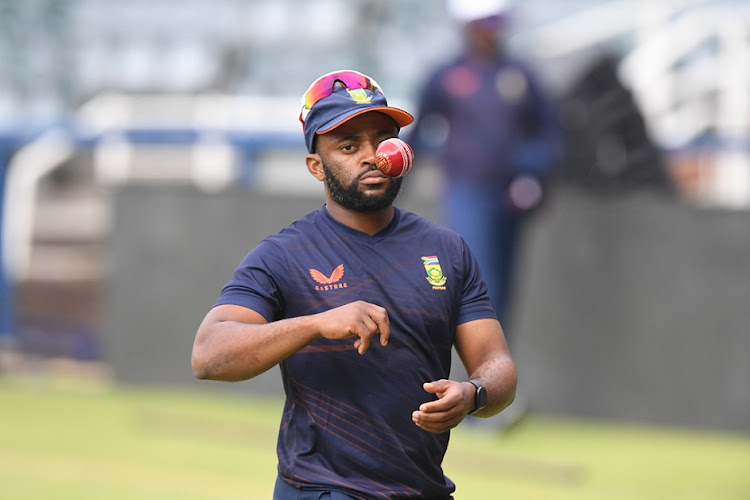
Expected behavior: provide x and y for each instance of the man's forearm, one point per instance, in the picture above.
(498, 375)
(231, 350)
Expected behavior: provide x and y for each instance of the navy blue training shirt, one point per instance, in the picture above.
(347, 422)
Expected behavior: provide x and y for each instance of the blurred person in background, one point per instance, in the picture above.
(360, 303)
(495, 133)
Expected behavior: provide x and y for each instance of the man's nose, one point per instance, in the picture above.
(368, 152)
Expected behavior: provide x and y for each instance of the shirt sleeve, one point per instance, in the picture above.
(256, 283)
(542, 148)
(475, 302)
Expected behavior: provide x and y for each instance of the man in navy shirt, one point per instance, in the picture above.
(360, 303)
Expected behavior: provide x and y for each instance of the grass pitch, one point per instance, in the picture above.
(63, 441)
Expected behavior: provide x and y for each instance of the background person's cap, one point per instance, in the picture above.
(337, 97)
(467, 11)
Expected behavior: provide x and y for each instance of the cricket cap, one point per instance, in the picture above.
(337, 97)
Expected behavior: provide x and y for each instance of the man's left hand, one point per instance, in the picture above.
(454, 401)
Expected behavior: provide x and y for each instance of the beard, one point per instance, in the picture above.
(352, 198)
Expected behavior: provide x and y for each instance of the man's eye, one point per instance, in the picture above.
(347, 147)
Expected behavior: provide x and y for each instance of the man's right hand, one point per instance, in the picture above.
(357, 319)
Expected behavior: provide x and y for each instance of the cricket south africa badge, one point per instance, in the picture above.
(359, 96)
(434, 272)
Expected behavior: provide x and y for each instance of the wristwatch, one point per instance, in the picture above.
(480, 398)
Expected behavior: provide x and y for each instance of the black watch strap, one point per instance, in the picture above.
(480, 397)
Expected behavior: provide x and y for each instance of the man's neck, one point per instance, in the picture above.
(484, 56)
(366, 222)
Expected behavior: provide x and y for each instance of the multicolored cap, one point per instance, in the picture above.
(339, 96)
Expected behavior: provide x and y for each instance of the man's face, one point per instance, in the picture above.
(347, 155)
(484, 36)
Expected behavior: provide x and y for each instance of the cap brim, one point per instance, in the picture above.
(401, 117)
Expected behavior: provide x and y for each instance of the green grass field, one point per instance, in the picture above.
(60, 440)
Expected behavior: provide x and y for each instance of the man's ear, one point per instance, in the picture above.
(315, 166)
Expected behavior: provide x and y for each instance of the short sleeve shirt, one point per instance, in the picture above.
(347, 422)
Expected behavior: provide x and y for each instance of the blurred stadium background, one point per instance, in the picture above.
(146, 145)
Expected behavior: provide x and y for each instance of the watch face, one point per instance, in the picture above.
(481, 398)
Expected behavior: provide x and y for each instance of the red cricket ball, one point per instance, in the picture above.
(394, 157)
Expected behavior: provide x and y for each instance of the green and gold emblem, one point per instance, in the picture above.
(434, 271)
(359, 96)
